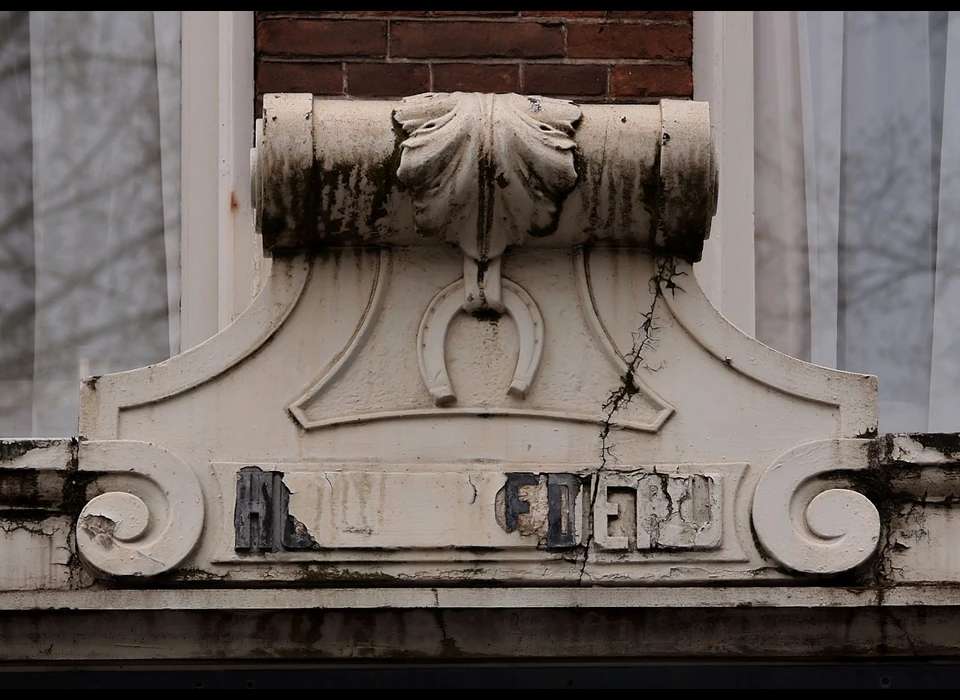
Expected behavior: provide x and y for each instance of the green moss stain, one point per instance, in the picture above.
(330, 574)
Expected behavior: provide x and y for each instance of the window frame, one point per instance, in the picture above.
(218, 255)
(723, 76)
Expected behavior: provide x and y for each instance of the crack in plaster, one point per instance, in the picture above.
(622, 395)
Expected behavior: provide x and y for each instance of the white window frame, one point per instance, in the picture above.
(723, 76)
(217, 251)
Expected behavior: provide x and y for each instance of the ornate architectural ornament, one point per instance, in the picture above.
(481, 355)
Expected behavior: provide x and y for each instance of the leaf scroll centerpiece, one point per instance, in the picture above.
(487, 170)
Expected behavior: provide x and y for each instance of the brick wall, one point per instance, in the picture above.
(637, 56)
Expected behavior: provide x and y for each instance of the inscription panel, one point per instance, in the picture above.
(303, 513)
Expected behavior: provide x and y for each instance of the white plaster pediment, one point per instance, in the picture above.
(481, 355)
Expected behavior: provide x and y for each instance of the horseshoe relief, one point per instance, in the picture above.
(431, 339)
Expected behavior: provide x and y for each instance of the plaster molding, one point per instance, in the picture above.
(153, 523)
(836, 530)
(484, 172)
(365, 417)
(369, 319)
(854, 395)
(103, 398)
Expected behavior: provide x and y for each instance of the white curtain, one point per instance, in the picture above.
(89, 205)
(858, 201)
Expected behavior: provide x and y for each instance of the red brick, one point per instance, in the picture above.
(471, 77)
(651, 81)
(475, 39)
(543, 13)
(398, 13)
(318, 78)
(477, 14)
(653, 15)
(297, 13)
(546, 79)
(308, 37)
(387, 79)
(342, 13)
(670, 41)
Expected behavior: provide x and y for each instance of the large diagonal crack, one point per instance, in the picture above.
(621, 396)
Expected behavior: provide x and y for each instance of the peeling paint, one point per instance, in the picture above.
(262, 518)
(100, 528)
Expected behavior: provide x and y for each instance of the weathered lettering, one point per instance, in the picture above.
(550, 503)
(261, 515)
(668, 511)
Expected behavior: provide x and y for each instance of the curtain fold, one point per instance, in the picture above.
(103, 231)
(866, 222)
(945, 347)
(820, 37)
(783, 275)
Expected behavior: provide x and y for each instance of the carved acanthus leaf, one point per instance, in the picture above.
(487, 170)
